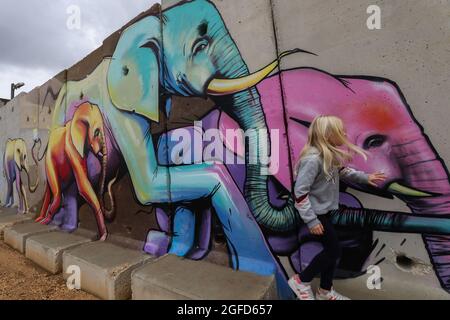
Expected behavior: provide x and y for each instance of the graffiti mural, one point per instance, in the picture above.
(103, 130)
(125, 87)
(15, 162)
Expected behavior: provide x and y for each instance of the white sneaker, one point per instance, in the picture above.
(302, 290)
(330, 295)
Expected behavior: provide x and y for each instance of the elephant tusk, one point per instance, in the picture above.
(220, 87)
(407, 191)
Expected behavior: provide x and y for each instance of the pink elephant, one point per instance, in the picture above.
(379, 120)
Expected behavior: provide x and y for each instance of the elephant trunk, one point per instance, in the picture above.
(423, 170)
(371, 219)
(108, 213)
(245, 107)
(33, 188)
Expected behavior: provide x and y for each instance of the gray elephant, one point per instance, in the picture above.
(15, 160)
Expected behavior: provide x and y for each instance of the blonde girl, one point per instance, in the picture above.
(321, 165)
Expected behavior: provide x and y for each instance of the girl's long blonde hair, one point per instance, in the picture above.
(322, 129)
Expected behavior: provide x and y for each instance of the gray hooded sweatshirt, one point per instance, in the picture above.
(317, 193)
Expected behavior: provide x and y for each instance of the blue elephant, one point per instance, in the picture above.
(185, 51)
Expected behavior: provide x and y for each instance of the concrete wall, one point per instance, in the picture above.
(389, 86)
(3, 102)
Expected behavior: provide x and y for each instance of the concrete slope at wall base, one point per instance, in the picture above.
(395, 285)
(46, 250)
(4, 211)
(105, 268)
(121, 241)
(174, 278)
(9, 219)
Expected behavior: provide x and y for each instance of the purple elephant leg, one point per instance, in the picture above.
(9, 195)
(59, 215)
(296, 261)
(68, 211)
(204, 236)
(19, 191)
(308, 249)
(70, 218)
(303, 257)
(162, 219)
(157, 242)
(10, 178)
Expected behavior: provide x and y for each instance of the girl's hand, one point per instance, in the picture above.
(376, 177)
(317, 230)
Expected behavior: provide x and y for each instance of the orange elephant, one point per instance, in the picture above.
(66, 160)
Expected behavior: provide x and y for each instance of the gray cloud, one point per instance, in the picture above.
(36, 43)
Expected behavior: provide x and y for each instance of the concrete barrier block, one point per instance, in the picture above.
(174, 278)
(105, 268)
(46, 250)
(8, 219)
(7, 211)
(16, 235)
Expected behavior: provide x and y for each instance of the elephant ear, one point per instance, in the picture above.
(78, 135)
(133, 75)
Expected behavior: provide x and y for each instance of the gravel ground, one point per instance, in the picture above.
(21, 279)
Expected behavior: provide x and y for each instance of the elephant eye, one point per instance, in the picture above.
(374, 141)
(199, 46)
(96, 132)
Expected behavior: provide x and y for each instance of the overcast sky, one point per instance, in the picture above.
(36, 42)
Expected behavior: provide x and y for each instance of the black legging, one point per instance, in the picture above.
(325, 262)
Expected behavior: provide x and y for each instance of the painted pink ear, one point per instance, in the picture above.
(227, 123)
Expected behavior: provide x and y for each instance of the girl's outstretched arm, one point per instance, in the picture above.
(360, 177)
(353, 176)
